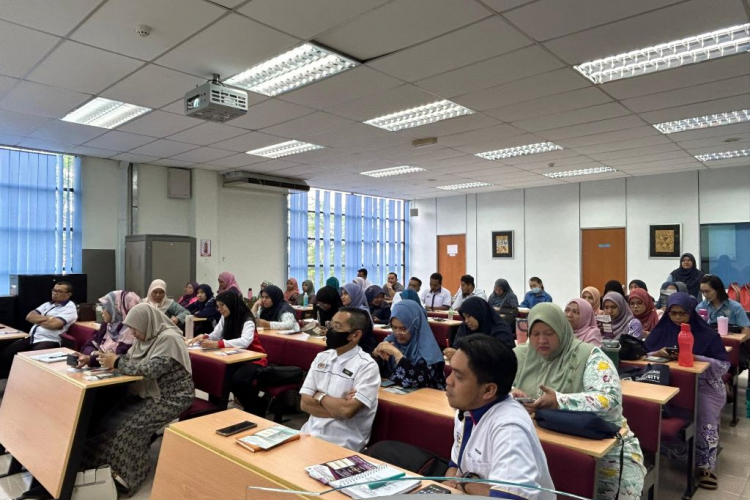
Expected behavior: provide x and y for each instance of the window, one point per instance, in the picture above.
(334, 234)
(40, 216)
(725, 251)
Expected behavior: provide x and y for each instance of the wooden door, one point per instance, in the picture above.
(452, 260)
(603, 257)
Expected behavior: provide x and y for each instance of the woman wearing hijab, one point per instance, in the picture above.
(623, 321)
(642, 306)
(205, 307)
(592, 295)
(273, 311)
(291, 294)
(190, 296)
(327, 304)
(352, 295)
(380, 311)
(708, 347)
(309, 289)
(360, 282)
(614, 286)
(479, 317)
(562, 372)
(637, 284)
(227, 282)
(667, 289)
(157, 298)
(689, 274)
(410, 294)
(410, 356)
(502, 295)
(159, 354)
(581, 317)
(333, 282)
(113, 335)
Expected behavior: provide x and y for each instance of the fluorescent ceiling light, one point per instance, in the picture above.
(726, 155)
(466, 185)
(284, 149)
(716, 120)
(296, 68)
(387, 172)
(421, 115)
(583, 171)
(695, 49)
(105, 113)
(529, 149)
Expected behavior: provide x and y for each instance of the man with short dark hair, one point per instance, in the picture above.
(436, 298)
(341, 389)
(536, 293)
(392, 287)
(362, 273)
(468, 289)
(50, 320)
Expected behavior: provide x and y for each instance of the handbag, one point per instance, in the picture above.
(576, 423)
(631, 348)
(95, 484)
(740, 294)
(650, 374)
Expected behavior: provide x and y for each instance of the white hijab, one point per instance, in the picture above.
(165, 303)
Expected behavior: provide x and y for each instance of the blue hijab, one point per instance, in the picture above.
(422, 344)
(410, 294)
(357, 295)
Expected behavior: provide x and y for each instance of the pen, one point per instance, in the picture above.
(382, 483)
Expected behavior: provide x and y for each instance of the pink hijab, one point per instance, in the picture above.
(229, 282)
(289, 294)
(597, 298)
(586, 329)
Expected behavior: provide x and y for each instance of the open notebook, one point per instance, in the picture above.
(379, 473)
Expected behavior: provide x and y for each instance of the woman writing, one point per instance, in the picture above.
(581, 317)
(205, 307)
(380, 311)
(157, 298)
(502, 295)
(273, 311)
(327, 304)
(113, 335)
(623, 321)
(190, 296)
(479, 317)
(642, 306)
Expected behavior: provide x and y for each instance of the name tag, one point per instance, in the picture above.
(347, 372)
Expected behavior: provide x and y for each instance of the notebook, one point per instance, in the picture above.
(50, 358)
(379, 473)
(268, 438)
(339, 469)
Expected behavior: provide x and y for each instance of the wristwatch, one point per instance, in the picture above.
(319, 398)
(468, 475)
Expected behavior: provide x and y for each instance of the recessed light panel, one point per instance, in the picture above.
(716, 120)
(388, 172)
(284, 149)
(726, 155)
(529, 149)
(583, 171)
(421, 115)
(105, 113)
(466, 185)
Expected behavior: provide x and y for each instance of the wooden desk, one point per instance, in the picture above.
(243, 356)
(737, 337)
(302, 312)
(660, 394)
(733, 343)
(90, 324)
(59, 405)
(195, 441)
(10, 334)
(298, 336)
(697, 368)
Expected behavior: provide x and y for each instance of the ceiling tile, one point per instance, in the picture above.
(22, 48)
(170, 162)
(45, 145)
(623, 145)
(369, 144)
(307, 125)
(400, 24)
(203, 155)
(163, 148)
(574, 117)
(228, 47)
(10, 140)
(635, 152)
(734, 162)
(152, 86)
(383, 103)
(716, 141)
(592, 128)
(20, 123)
(208, 133)
(341, 136)
(487, 38)
(248, 142)
(700, 109)
(42, 100)
(69, 133)
(689, 95)
(483, 75)
(269, 113)
(134, 158)
(736, 129)
(672, 155)
(617, 135)
(6, 84)
(480, 135)
(53, 17)
(306, 19)
(499, 143)
(95, 152)
(503, 5)
(95, 69)
(451, 126)
(159, 124)
(559, 103)
(119, 141)
(237, 160)
(113, 26)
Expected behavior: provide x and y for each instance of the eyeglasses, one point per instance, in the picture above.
(54, 290)
(329, 326)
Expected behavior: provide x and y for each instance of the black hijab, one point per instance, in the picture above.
(639, 284)
(239, 314)
(279, 307)
(613, 286)
(198, 306)
(489, 321)
(508, 297)
(691, 277)
(327, 295)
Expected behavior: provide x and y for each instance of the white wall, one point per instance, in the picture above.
(547, 222)
(101, 194)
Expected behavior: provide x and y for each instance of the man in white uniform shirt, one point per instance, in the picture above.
(414, 284)
(468, 289)
(436, 298)
(341, 389)
(362, 273)
(50, 320)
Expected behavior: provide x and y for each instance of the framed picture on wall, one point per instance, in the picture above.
(664, 241)
(502, 244)
(205, 248)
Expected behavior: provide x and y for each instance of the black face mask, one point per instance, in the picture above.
(334, 339)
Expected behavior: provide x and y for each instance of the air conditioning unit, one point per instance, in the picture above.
(265, 183)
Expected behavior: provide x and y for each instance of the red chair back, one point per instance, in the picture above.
(408, 425)
(208, 375)
(301, 354)
(644, 419)
(77, 336)
(275, 348)
(561, 461)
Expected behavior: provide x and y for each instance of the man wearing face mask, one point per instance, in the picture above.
(341, 389)
(536, 294)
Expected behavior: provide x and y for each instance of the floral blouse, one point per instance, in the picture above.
(419, 374)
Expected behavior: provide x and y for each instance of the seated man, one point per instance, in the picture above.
(50, 320)
(362, 273)
(414, 284)
(393, 286)
(341, 390)
(468, 289)
(436, 298)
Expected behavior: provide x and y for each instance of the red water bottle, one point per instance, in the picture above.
(685, 343)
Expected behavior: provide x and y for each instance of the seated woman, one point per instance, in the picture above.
(707, 346)
(309, 289)
(614, 286)
(333, 282)
(380, 311)
(592, 295)
(479, 317)
(327, 304)
(642, 306)
(157, 298)
(561, 372)
(668, 288)
(637, 284)
(190, 296)
(718, 304)
(410, 294)
(410, 356)
(123, 437)
(581, 317)
(227, 282)
(205, 307)
(623, 321)
(352, 295)
(113, 335)
(273, 312)
(291, 294)
(502, 295)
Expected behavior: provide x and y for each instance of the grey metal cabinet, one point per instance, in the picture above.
(159, 256)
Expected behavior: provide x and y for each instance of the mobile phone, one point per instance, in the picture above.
(434, 489)
(673, 351)
(71, 360)
(236, 428)
(525, 401)
(387, 383)
(96, 344)
(439, 320)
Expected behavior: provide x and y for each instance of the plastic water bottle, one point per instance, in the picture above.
(451, 312)
(249, 293)
(304, 300)
(685, 343)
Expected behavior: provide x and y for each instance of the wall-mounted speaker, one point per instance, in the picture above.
(414, 212)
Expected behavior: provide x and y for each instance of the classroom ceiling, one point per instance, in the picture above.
(509, 60)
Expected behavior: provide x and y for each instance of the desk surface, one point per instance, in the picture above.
(737, 337)
(430, 320)
(241, 357)
(89, 324)
(298, 336)
(60, 369)
(9, 333)
(650, 392)
(697, 368)
(303, 308)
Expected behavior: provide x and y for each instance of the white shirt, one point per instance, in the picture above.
(504, 446)
(336, 376)
(288, 321)
(436, 299)
(459, 297)
(66, 312)
(243, 342)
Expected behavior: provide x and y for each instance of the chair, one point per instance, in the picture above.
(561, 461)
(644, 419)
(430, 432)
(76, 336)
(209, 375)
